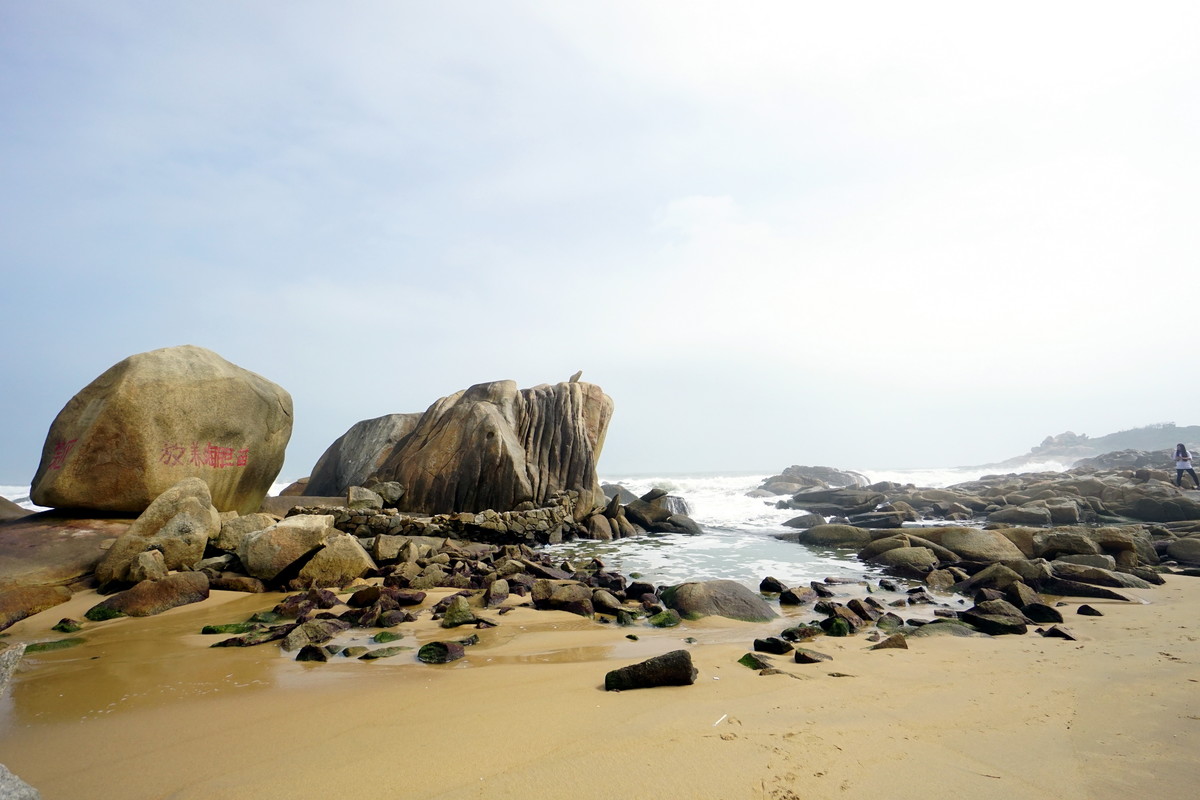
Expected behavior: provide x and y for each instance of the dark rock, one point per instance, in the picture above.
(799, 633)
(894, 642)
(773, 645)
(312, 652)
(806, 656)
(1088, 611)
(440, 652)
(670, 669)
(256, 637)
(665, 619)
(796, 597)
(1040, 612)
(1055, 632)
(772, 585)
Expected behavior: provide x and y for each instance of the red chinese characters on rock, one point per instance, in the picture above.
(61, 451)
(206, 455)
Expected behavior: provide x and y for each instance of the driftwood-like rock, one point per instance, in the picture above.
(670, 669)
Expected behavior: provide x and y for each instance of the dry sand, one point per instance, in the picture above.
(145, 709)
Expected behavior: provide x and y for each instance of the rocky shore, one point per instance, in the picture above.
(434, 563)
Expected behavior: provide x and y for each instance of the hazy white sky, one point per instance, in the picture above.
(863, 235)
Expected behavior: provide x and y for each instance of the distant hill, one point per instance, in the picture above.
(1070, 447)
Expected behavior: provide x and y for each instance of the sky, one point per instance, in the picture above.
(868, 234)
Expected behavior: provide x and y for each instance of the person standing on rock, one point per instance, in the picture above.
(1183, 463)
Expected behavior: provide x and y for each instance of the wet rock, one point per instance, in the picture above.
(773, 645)
(19, 603)
(563, 595)
(316, 631)
(668, 618)
(312, 652)
(797, 597)
(257, 637)
(153, 597)
(799, 633)
(771, 585)
(383, 652)
(440, 652)
(670, 669)
(458, 612)
(832, 535)
(721, 598)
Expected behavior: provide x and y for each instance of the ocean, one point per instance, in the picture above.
(739, 532)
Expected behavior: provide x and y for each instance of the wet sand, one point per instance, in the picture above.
(146, 709)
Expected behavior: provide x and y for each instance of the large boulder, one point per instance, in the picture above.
(973, 544)
(338, 563)
(54, 548)
(720, 598)
(358, 454)
(10, 510)
(18, 603)
(158, 417)
(494, 447)
(178, 524)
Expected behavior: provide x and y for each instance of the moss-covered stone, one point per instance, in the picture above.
(754, 662)
(267, 617)
(382, 652)
(101, 612)
(835, 626)
(231, 627)
(666, 619)
(60, 644)
(383, 637)
(67, 625)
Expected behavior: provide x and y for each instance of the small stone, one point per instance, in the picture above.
(440, 652)
(383, 637)
(1055, 632)
(806, 656)
(894, 642)
(1088, 611)
(754, 662)
(773, 645)
(382, 652)
(312, 652)
(68, 625)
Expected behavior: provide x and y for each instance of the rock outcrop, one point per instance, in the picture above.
(358, 454)
(158, 417)
(496, 447)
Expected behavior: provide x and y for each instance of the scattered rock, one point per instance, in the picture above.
(670, 669)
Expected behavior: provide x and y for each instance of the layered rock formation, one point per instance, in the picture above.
(158, 417)
(358, 454)
(495, 447)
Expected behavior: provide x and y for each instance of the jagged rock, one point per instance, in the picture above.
(359, 498)
(158, 417)
(340, 562)
(670, 669)
(721, 598)
(313, 632)
(268, 552)
(18, 603)
(147, 566)
(358, 454)
(896, 641)
(153, 597)
(235, 529)
(563, 595)
(178, 523)
(458, 612)
(494, 447)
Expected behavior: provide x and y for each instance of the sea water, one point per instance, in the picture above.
(739, 539)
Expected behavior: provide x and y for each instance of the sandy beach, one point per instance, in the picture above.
(146, 709)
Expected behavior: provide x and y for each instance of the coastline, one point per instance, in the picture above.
(146, 709)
